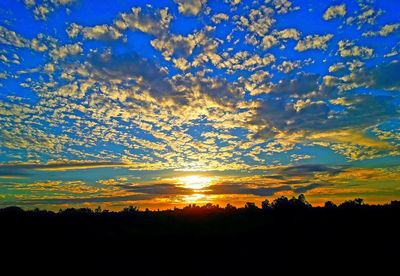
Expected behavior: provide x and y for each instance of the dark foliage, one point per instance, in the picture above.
(285, 231)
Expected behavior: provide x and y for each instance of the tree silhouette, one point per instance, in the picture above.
(250, 206)
(265, 205)
(230, 207)
(357, 202)
(281, 203)
(330, 205)
(131, 209)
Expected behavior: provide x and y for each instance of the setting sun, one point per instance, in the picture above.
(195, 182)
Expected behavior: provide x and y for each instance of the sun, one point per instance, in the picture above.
(195, 182)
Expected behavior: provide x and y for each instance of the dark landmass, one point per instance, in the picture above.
(209, 240)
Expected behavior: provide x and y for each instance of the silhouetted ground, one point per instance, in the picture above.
(286, 235)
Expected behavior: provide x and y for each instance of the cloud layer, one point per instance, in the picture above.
(197, 86)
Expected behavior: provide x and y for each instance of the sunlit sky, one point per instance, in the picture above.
(160, 104)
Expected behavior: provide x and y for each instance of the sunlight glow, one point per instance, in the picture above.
(194, 198)
(195, 182)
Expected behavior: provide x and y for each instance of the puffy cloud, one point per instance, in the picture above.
(233, 2)
(366, 15)
(177, 45)
(284, 6)
(131, 67)
(302, 84)
(348, 48)
(336, 67)
(335, 11)
(268, 41)
(218, 18)
(190, 7)
(384, 31)
(382, 76)
(277, 37)
(38, 46)
(244, 60)
(181, 63)
(218, 92)
(288, 66)
(290, 33)
(101, 32)
(9, 37)
(152, 83)
(313, 42)
(276, 115)
(258, 21)
(66, 50)
(300, 104)
(42, 10)
(257, 83)
(145, 20)
(61, 165)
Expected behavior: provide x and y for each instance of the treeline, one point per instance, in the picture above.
(279, 204)
(283, 231)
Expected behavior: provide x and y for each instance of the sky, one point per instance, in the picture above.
(161, 104)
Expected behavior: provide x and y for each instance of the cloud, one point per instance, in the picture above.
(175, 45)
(152, 89)
(42, 10)
(131, 67)
(157, 189)
(381, 76)
(10, 37)
(288, 66)
(303, 83)
(384, 31)
(310, 42)
(66, 50)
(245, 60)
(219, 17)
(348, 48)
(268, 41)
(301, 103)
(155, 22)
(284, 6)
(259, 190)
(350, 136)
(100, 32)
(180, 92)
(278, 37)
(367, 14)
(76, 200)
(335, 11)
(190, 7)
(237, 189)
(60, 166)
(309, 170)
(258, 21)
(290, 33)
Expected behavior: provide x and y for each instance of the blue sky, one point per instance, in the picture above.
(118, 103)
